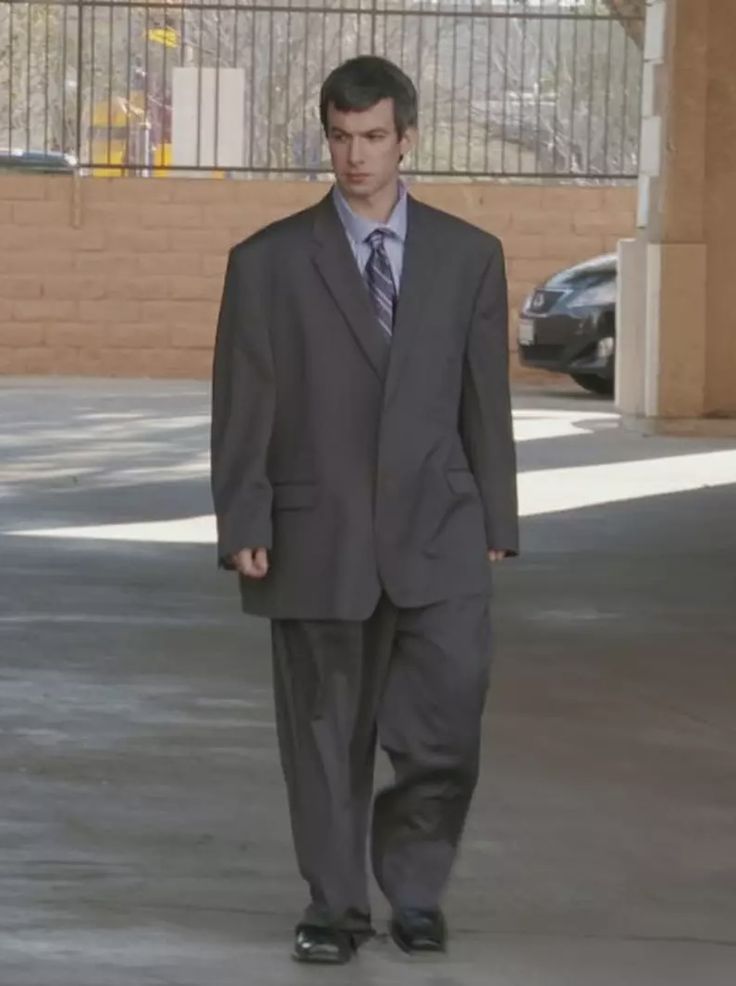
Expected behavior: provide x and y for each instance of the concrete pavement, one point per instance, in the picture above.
(143, 832)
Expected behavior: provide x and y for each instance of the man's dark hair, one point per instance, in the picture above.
(362, 82)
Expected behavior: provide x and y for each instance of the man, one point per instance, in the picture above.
(363, 476)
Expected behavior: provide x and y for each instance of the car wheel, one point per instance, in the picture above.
(594, 384)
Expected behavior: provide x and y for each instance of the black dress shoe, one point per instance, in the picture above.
(419, 931)
(322, 946)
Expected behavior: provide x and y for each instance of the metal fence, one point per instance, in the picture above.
(514, 88)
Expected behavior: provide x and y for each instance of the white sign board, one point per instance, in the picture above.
(207, 117)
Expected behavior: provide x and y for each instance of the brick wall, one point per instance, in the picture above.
(122, 277)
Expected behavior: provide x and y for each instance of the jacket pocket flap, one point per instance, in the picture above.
(462, 481)
(294, 496)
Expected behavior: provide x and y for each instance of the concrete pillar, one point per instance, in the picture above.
(630, 326)
(681, 296)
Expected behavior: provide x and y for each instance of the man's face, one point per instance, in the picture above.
(365, 148)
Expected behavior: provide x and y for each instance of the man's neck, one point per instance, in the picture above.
(377, 208)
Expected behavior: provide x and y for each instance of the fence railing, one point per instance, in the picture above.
(514, 88)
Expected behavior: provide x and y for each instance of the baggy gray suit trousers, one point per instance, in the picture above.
(416, 680)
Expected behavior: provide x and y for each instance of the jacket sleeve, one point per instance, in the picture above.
(243, 400)
(485, 420)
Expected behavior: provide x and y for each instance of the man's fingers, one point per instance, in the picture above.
(252, 564)
(247, 563)
(243, 561)
(261, 562)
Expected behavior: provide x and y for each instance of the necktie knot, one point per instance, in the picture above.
(375, 239)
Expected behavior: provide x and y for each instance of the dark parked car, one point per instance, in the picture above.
(568, 324)
(45, 161)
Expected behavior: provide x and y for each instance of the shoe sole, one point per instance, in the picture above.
(313, 960)
(306, 960)
(421, 950)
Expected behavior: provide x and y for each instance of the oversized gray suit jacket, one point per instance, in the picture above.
(361, 463)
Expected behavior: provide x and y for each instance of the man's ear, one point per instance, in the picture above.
(408, 142)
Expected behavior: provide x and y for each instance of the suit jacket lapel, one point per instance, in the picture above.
(336, 265)
(417, 283)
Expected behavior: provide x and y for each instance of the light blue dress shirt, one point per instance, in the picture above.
(358, 228)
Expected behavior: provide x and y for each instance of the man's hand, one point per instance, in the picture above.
(252, 562)
(497, 555)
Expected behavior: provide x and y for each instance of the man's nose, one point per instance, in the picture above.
(355, 153)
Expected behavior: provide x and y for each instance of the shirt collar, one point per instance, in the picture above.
(359, 228)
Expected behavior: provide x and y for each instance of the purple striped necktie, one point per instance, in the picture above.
(380, 281)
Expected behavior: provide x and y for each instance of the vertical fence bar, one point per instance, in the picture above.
(63, 79)
(453, 81)
(420, 53)
(46, 99)
(340, 33)
(538, 128)
(252, 94)
(80, 63)
(234, 61)
(218, 45)
(146, 130)
(91, 128)
(269, 97)
(573, 105)
(128, 81)
(286, 144)
(555, 120)
(305, 87)
(200, 68)
(591, 94)
(625, 108)
(402, 19)
(437, 36)
(236, 23)
(607, 104)
(323, 42)
(165, 109)
(29, 55)
(11, 28)
(110, 73)
(471, 93)
(489, 75)
(505, 88)
(522, 98)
